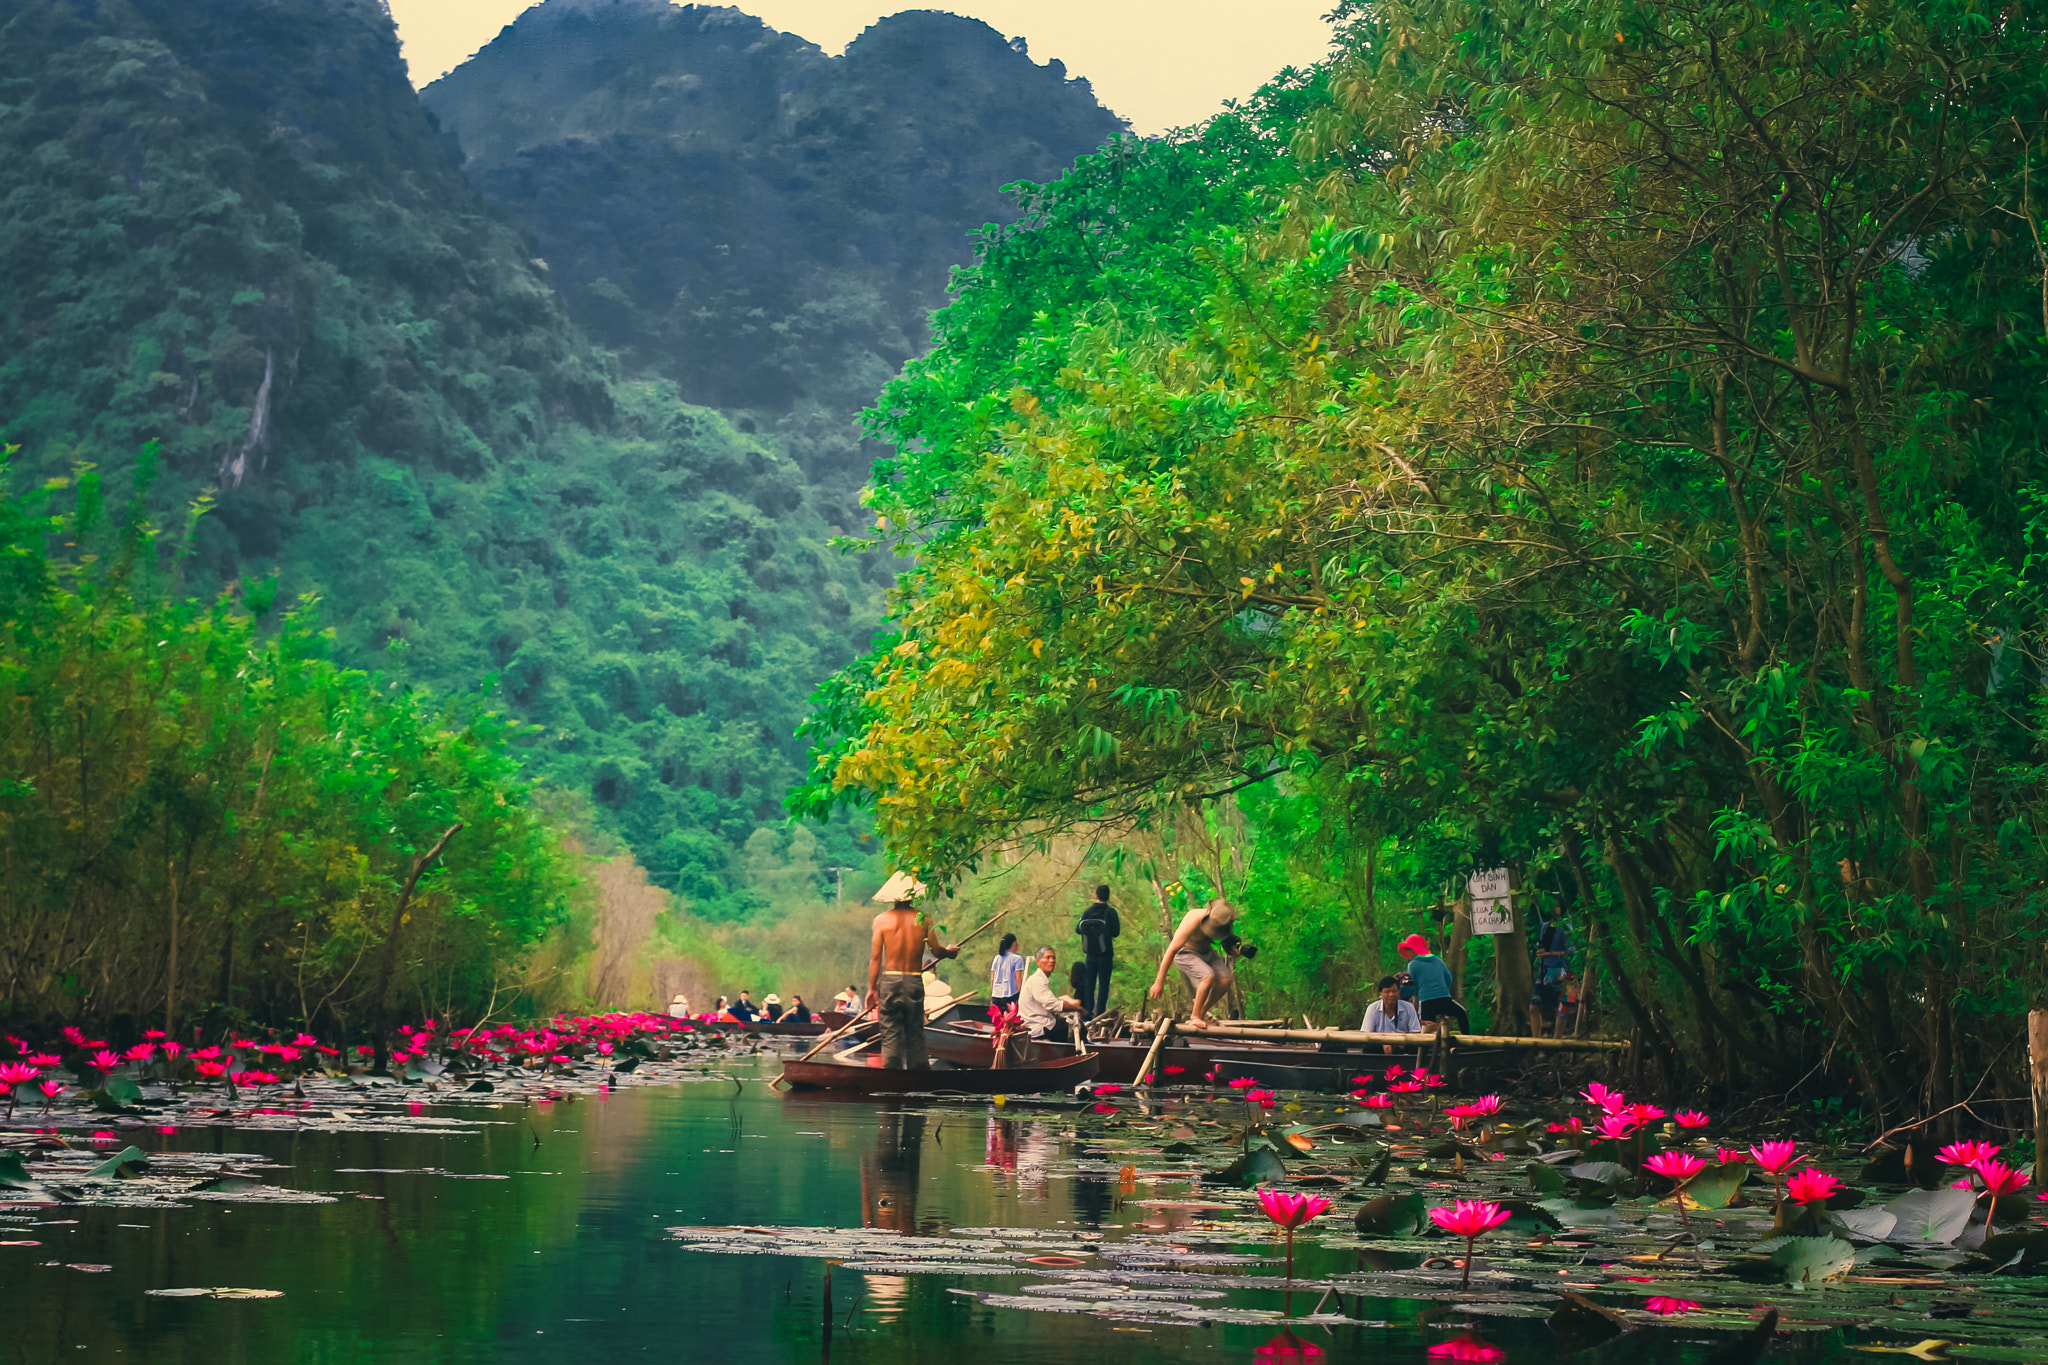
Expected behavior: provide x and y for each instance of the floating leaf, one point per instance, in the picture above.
(126, 1164)
(1717, 1186)
(1392, 1215)
(1931, 1215)
(1804, 1262)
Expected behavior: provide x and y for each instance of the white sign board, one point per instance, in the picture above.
(1493, 909)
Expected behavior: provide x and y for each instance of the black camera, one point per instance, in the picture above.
(1237, 947)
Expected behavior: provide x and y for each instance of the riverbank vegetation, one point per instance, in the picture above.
(1603, 444)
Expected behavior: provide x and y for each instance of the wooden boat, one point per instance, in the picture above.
(968, 1045)
(1055, 1073)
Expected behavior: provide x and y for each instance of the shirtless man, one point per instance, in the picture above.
(896, 983)
(1193, 950)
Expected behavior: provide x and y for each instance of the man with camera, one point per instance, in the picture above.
(1205, 947)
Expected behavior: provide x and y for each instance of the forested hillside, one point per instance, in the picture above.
(232, 228)
(732, 209)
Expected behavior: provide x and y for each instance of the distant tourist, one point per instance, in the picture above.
(1099, 928)
(798, 1012)
(771, 1006)
(743, 1009)
(1432, 975)
(1044, 1013)
(719, 1010)
(679, 1008)
(847, 1001)
(1390, 1013)
(1006, 974)
(1553, 959)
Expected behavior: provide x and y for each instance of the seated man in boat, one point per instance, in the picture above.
(1046, 1015)
(1390, 1013)
(896, 982)
(1193, 950)
(847, 1001)
(744, 1009)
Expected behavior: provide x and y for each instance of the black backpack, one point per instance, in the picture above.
(1094, 930)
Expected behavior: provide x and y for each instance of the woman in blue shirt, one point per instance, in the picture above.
(1006, 974)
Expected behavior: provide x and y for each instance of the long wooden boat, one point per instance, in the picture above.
(1040, 1077)
(968, 1045)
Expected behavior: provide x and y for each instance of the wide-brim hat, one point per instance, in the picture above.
(1415, 945)
(771, 999)
(680, 1000)
(902, 886)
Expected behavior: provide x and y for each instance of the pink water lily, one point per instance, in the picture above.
(14, 1074)
(1470, 1219)
(1777, 1158)
(1291, 1211)
(1811, 1186)
(1692, 1118)
(1667, 1307)
(1967, 1153)
(1998, 1179)
(1680, 1168)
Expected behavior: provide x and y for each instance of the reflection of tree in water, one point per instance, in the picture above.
(1093, 1198)
(888, 1174)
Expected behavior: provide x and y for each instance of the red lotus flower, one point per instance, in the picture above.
(1176, 1070)
(1691, 1118)
(1291, 1211)
(1730, 1155)
(1108, 1089)
(1360, 1081)
(1467, 1348)
(1406, 1087)
(171, 1048)
(1571, 1125)
(1470, 1219)
(1645, 1113)
(211, 1069)
(104, 1138)
(141, 1052)
(1617, 1127)
(74, 1035)
(1667, 1307)
(104, 1060)
(1603, 1097)
(1811, 1186)
(51, 1090)
(1243, 1083)
(152, 1034)
(1396, 1072)
(44, 1058)
(1486, 1104)
(1776, 1157)
(1378, 1101)
(1967, 1153)
(17, 1073)
(2000, 1178)
(1680, 1166)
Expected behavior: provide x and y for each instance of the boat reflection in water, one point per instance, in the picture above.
(888, 1174)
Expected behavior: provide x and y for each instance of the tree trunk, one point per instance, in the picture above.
(2037, 1056)
(380, 1002)
(1513, 977)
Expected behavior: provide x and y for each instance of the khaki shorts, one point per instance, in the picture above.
(1199, 964)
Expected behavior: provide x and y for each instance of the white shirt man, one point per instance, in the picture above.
(1390, 1013)
(1040, 1007)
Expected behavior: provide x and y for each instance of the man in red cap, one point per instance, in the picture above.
(1432, 978)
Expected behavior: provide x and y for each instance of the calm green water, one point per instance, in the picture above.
(565, 1260)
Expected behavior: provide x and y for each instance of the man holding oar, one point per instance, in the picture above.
(896, 974)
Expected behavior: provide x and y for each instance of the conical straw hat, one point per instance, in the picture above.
(901, 887)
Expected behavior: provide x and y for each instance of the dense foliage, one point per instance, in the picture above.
(203, 816)
(1610, 446)
(232, 228)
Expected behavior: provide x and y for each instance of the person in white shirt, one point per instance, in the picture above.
(1390, 1013)
(1006, 974)
(1040, 1008)
(679, 1008)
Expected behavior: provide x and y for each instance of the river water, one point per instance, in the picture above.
(540, 1235)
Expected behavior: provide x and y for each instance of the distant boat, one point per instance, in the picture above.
(1040, 1077)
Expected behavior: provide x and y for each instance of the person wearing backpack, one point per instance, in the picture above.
(1553, 960)
(1099, 929)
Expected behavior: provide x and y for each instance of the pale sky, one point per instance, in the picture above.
(1158, 63)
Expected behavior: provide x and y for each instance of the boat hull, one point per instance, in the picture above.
(1042, 1077)
(1320, 1071)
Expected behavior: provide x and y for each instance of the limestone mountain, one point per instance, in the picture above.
(761, 223)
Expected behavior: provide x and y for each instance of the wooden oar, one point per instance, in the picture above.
(977, 933)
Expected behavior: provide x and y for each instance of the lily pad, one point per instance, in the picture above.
(1805, 1262)
(1717, 1186)
(126, 1164)
(1931, 1215)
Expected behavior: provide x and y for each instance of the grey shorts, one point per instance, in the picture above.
(1199, 964)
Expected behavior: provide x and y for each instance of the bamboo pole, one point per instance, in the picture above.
(1152, 1055)
(1402, 1040)
(2037, 1055)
